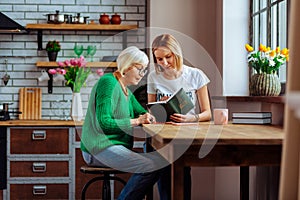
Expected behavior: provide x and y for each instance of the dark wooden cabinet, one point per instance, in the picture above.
(44, 163)
(39, 163)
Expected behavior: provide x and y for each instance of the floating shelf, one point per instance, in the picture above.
(46, 64)
(74, 27)
(79, 27)
(265, 99)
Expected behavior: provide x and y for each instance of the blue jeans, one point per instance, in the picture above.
(164, 184)
(146, 168)
(140, 184)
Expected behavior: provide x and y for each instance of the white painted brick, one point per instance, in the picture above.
(111, 46)
(12, 45)
(126, 9)
(64, 2)
(50, 8)
(88, 2)
(112, 2)
(5, 97)
(75, 9)
(136, 2)
(5, 37)
(101, 9)
(13, 1)
(25, 8)
(142, 9)
(39, 1)
(5, 8)
(5, 52)
(135, 17)
(19, 75)
(22, 82)
(16, 16)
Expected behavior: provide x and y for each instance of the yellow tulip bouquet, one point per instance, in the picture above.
(266, 60)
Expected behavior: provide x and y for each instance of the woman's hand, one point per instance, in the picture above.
(146, 118)
(183, 118)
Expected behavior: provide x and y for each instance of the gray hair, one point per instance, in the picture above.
(129, 56)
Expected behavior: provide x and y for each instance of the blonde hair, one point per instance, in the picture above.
(129, 56)
(168, 41)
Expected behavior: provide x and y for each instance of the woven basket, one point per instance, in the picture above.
(264, 85)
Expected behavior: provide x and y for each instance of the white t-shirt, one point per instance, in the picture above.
(190, 80)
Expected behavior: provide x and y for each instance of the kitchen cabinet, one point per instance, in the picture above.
(39, 160)
(44, 160)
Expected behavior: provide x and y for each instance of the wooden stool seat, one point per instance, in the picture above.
(106, 175)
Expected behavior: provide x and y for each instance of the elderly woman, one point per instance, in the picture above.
(112, 113)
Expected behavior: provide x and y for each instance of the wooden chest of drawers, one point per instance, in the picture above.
(39, 163)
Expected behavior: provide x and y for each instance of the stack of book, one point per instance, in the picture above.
(251, 118)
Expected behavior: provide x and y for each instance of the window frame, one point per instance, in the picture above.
(257, 26)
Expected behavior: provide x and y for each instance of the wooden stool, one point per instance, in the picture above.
(106, 173)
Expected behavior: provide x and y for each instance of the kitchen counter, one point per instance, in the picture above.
(68, 123)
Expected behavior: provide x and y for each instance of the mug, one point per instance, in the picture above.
(220, 116)
(44, 76)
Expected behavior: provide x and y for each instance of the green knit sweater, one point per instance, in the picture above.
(107, 120)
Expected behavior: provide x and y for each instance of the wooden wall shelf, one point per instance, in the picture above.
(79, 27)
(265, 99)
(92, 27)
(46, 64)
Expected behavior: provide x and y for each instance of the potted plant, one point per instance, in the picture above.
(266, 62)
(52, 48)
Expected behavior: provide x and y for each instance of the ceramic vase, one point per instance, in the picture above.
(115, 19)
(52, 56)
(76, 108)
(265, 85)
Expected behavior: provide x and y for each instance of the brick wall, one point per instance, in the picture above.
(21, 49)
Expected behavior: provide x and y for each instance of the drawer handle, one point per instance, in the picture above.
(39, 167)
(39, 190)
(39, 135)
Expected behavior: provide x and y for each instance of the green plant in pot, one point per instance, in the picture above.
(266, 62)
(52, 48)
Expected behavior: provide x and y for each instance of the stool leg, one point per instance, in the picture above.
(106, 184)
(85, 187)
(106, 188)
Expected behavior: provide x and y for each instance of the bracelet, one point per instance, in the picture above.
(196, 117)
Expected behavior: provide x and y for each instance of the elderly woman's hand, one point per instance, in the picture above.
(146, 118)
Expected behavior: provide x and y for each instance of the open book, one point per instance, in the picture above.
(179, 102)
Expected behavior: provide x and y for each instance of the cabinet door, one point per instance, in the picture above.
(39, 191)
(39, 141)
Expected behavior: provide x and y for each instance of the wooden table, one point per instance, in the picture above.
(205, 144)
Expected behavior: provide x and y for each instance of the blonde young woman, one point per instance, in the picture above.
(170, 75)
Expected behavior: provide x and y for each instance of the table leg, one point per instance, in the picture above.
(244, 183)
(177, 178)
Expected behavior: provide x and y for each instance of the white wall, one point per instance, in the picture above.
(235, 36)
(199, 20)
